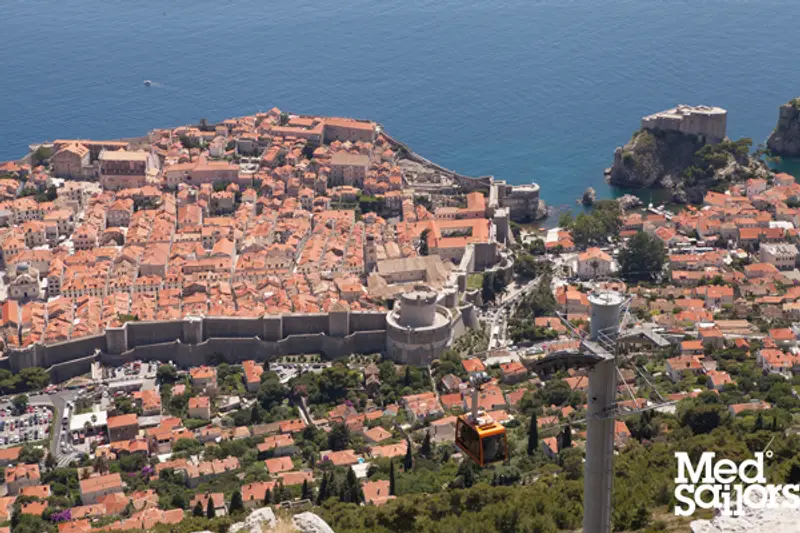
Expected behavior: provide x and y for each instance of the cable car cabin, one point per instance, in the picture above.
(483, 443)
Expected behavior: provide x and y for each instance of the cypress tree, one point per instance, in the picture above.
(268, 497)
(352, 487)
(533, 435)
(408, 460)
(198, 509)
(324, 489)
(306, 492)
(210, 512)
(566, 438)
(759, 422)
(425, 449)
(236, 502)
(391, 479)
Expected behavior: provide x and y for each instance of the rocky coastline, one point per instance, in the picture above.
(685, 160)
(784, 140)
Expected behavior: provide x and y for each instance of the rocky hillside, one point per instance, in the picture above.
(785, 138)
(682, 163)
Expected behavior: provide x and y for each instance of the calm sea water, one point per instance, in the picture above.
(522, 89)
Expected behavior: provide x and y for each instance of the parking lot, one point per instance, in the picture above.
(32, 426)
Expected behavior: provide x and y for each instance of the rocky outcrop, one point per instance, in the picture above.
(651, 158)
(311, 523)
(785, 138)
(589, 196)
(683, 164)
(255, 521)
(629, 201)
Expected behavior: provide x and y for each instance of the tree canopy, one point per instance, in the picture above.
(643, 257)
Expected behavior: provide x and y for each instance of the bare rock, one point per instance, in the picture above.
(785, 139)
(628, 201)
(255, 520)
(589, 196)
(311, 523)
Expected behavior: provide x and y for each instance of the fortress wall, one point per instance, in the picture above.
(204, 340)
(272, 328)
(70, 369)
(308, 323)
(367, 321)
(69, 350)
(232, 327)
(140, 333)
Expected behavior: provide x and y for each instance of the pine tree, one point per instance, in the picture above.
(391, 479)
(198, 509)
(306, 492)
(425, 449)
(210, 512)
(566, 438)
(236, 502)
(267, 497)
(533, 435)
(408, 460)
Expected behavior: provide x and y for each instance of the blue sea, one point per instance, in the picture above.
(525, 90)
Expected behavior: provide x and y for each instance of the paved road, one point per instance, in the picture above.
(58, 401)
(509, 299)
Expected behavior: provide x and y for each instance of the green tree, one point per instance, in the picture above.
(352, 489)
(268, 497)
(324, 489)
(423, 242)
(425, 448)
(198, 509)
(20, 403)
(408, 460)
(179, 500)
(30, 454)
(391, 478)
(236, 502)
(166, 373)
(533, 435)
(794, 473)
(339, 437)
(566, 438)
(305, 493)
(643, 258)
(210, 511)
(35, 378)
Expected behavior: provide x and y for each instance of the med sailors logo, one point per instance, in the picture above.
(727, 486)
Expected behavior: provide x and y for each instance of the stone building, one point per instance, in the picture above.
(71, 162)
(24, 282)
(121, 169)
(704, 121)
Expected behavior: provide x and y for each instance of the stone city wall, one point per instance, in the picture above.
(194, 340)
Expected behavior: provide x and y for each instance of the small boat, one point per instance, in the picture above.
(148, 83)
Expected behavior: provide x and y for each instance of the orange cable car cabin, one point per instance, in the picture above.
(483, 443)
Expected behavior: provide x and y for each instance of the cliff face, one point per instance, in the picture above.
(682, 163)
(785, 138)
(652, 159)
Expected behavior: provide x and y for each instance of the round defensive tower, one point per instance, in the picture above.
(417, 329)
(418, 307)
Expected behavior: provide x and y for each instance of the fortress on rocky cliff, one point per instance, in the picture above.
(704, 121)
